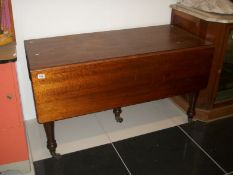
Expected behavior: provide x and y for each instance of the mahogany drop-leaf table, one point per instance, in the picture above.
(86, 73)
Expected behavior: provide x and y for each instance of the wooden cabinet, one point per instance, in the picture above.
(13, 147)
(217, 99)
(225, 88)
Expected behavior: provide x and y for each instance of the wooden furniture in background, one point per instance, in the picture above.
(8, 53)
(13, 148)
(210, 105)
(80, 74)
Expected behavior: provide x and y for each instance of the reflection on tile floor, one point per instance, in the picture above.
(216, 138)
(165, 152)
(170, 151)
(94, 161)
(141, 119)
(92, 130)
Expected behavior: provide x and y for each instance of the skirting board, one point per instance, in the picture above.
(21, 167)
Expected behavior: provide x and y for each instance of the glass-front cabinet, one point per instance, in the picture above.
(225, 90)
(216, 100)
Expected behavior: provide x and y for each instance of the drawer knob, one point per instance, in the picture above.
(9, 97)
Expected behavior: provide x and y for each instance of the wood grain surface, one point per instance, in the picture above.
(73, 49)
(8, 53)
(105, 70)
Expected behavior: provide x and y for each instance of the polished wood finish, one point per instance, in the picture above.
(51, 142)
(80, 74)
(93, 72)
(205, 114)
(8, 53)
(90, 87)
(192, 105)
(100, 46)
(217, 33)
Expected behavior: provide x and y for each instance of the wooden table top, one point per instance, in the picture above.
(8, 53)
(73, 49)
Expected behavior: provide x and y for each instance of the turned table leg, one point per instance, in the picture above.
(117, 113)
(51, 142)
(192, 105)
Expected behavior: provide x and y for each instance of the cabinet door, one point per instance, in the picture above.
(225, 89)
(10, 113)
(13, 147)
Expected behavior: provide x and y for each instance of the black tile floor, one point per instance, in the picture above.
(196, 148)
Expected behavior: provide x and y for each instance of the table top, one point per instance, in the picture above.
(81, 48)
(8, 53)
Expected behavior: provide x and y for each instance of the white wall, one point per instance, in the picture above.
(44, 18)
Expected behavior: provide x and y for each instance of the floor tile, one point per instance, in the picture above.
(141, 119)
(101, 160)
(216, 138)
(165, 152)
(72, 135)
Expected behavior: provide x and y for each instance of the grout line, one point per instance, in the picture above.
(121, 158)
(230, 173)
(201, 149)
(113, 145)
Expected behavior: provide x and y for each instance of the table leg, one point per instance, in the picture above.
(117, 113)
(192, 105)
(51, 142)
